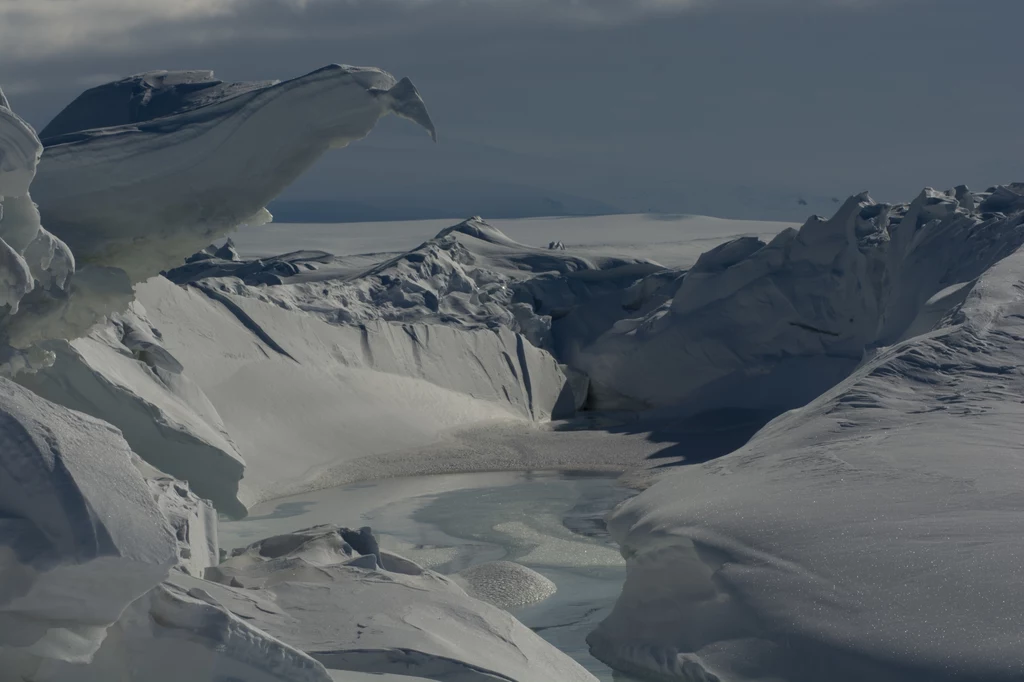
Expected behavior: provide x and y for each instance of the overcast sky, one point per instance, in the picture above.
(730, 107)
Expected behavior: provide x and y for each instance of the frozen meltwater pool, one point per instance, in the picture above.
(550, 522)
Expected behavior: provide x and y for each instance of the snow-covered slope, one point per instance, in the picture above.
(140, 173)
(874, 533)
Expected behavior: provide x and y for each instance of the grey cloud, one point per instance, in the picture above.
(39, 29)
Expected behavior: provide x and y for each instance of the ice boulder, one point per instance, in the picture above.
(770, 326)
(141, 173)
(82, 536)
(329, 592)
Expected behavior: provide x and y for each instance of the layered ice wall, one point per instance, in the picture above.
(874, 533)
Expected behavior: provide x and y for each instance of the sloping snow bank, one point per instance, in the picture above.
(771, 326)
(176, 633)
(873, 534)
(82, 536)
(141, 173)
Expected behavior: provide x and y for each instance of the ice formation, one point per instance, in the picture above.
(35, 266)
(140, 173)
(455, 332)
(872, 534)
(505, 583)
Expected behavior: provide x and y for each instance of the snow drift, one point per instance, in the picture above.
(872, 534)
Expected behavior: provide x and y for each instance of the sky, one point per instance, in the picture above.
(738, 108)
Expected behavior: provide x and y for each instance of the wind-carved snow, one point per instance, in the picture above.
(141, 173)
(874, 533)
